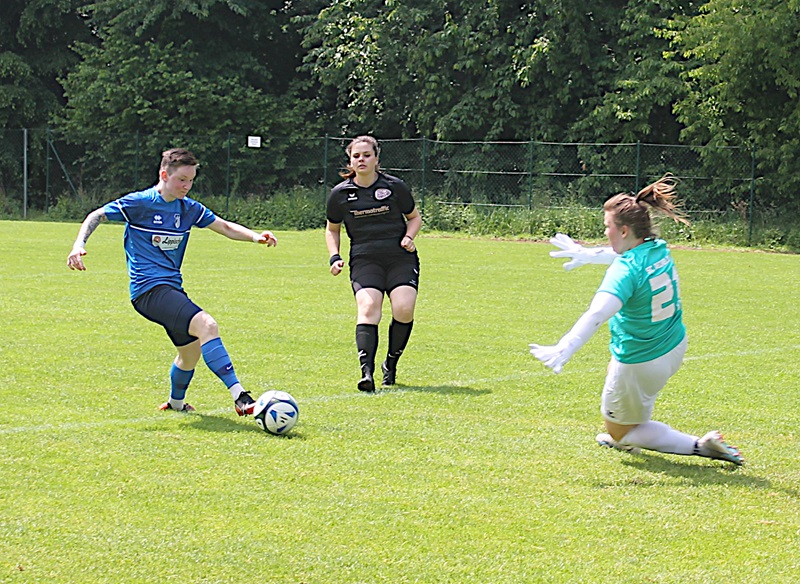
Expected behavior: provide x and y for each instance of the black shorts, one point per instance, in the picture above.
(171, 308)
(384, 272)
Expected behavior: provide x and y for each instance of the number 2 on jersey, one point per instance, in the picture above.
(664, 302)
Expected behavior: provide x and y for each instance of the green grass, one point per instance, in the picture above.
(480, 467)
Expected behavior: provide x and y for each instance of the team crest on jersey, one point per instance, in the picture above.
(382, 194)
(167, 242)
(157, 219)
(177, 221)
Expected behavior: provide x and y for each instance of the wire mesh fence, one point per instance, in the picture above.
(39, 167)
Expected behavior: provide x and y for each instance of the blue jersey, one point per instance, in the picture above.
(650, 322)
(156, 234)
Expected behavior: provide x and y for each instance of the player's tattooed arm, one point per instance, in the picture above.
(75, 257)
(88, 226)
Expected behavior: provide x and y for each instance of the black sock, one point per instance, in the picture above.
(399, 333)
(367, 345)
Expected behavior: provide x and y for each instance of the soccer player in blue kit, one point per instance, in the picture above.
(158, 221)
(640, 298)
(381, 219)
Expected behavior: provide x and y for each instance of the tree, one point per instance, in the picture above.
(638, 104)
(462, 69)
(35, 37)
(201, 70)
(743, 77)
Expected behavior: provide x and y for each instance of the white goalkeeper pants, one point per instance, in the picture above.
(631, 389)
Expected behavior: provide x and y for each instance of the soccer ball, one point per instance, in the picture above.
(276, 412)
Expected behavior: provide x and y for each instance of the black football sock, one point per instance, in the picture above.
(399, 333)
(367, 345)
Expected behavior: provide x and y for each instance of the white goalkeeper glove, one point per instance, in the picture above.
(552, 356)
(578, 254)
(556, 356)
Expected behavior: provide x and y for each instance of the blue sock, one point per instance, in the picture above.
(217, 359)
(180, 382)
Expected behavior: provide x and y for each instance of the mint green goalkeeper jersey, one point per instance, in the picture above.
(650, 322)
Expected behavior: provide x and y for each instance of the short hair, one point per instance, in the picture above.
(176, 157)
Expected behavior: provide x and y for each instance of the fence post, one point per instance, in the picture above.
(530, 174)
(638, 164)
(47, 167)
(228, 176)
(24, 173)
(424, 168)
(325, 170)
(136, 165)
(752, 193)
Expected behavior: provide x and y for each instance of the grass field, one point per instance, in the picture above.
(479, 467)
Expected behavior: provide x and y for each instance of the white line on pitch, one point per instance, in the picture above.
(353, 395)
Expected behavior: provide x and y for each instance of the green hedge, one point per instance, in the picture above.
(302, 208)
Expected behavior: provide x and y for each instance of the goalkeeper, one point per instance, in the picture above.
(639, 297)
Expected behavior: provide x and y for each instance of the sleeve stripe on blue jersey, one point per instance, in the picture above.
(121, 210)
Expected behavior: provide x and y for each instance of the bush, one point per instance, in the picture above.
(69, 208)
(586, 224)
(298, 208)
(580, 222)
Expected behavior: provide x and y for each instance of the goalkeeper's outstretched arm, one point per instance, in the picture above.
(603, 307)
(578, 254)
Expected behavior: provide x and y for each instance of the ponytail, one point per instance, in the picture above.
(633, 210)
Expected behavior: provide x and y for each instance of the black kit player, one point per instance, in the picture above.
(381, 220)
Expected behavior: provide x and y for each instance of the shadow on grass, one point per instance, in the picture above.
(696, 470)
(210, 423)
(442, 389)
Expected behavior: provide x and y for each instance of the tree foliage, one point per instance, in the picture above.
(743, 76)
(463, 69)
(201, 70)
(35, 39)
(188, 66)
(721, 72)
(638, 103)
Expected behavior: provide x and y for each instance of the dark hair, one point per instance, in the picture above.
(634, 210)
(175, 157)
(350, 171)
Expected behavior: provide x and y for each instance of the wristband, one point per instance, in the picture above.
(335, 258)
(408, 236)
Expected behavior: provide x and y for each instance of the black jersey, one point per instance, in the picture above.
(373, 216)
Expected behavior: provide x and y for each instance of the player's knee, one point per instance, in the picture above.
(205, 326)
(618, 431)
(369, 308)
(371, 314)
(403, 307)
(403, 313)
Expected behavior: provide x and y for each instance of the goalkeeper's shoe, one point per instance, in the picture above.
(168, 406)
(244, 404)
(389, 373)
(606, 441)
(713, 446)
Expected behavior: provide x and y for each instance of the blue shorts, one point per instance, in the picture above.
(171, 308)
(384, 272)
